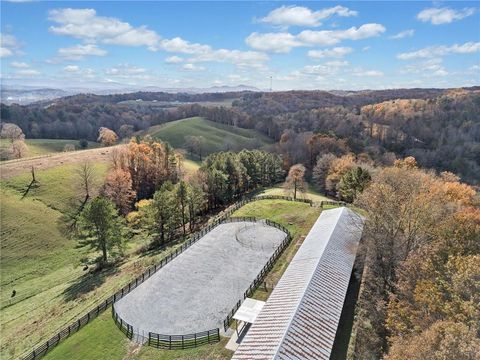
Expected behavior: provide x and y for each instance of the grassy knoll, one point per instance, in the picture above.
(217, 137)
(311, 193)
(38, 147)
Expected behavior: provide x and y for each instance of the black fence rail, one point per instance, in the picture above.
(124, 327)
(41, 350)
(206, 337)
(263, 273)
(332, 203)
(188, 341)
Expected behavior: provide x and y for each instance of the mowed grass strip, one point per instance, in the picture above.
(310, 194)
(217, 137)
(37, 147)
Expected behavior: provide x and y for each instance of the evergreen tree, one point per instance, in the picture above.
(101, 228)
(353, 182)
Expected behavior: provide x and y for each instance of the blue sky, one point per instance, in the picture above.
(301, 45)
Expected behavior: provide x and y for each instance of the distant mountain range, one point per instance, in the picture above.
(24, 95)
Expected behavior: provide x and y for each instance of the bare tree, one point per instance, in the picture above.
(86, 177)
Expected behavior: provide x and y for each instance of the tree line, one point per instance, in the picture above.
(440, 128)
(145, 191)
(420, 296)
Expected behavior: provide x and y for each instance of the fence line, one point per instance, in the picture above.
(205, 337)
(266, 268)
(42, 349)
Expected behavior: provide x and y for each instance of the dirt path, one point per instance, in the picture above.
(15, 167)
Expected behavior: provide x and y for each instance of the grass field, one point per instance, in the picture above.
(38, 147)
(311, 193)
(298, 217)
(217, 137)
(43, 265)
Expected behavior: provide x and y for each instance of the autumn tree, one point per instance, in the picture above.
(19, 149)
(320, 171)
(353, 182)
(320, 144)
(442, 340)
(107, 137)
(338, 168)
(421, 265)
(15, 136)
(150, 164)
(118, 188)
(296, 180)
(11, 132)
(101, 228)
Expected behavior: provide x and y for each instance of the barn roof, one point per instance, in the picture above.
(300, 318)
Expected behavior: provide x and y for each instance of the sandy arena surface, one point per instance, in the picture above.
(196, 290)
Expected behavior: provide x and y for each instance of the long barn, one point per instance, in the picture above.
(301, 317)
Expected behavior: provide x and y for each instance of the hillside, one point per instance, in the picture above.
(217, 137)
(37, 147)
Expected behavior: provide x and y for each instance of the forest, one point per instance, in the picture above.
(440, 128)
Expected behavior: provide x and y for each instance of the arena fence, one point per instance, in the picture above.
(263, 273)
(41, 350)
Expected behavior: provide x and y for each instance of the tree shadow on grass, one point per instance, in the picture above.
(88, 282)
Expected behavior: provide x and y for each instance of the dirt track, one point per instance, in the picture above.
(15, 167)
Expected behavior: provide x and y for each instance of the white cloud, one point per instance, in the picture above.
(331, 37)
(366, 73)
(337, 63)
(75, 70)
(326, 69)
(173, 60)
(86, 25)
(71, 69)
(283, 42)
(445, 15)
(4, 52)
(180, 45)
(125, 70)
(441, 50)
(236, 57)
(192, 67)
(426, 68)
(19, 65)
(8, 45)
(403, 34)
(27, 72)
(302, 16)
(336, 52)
(272, 42)
(79, 52)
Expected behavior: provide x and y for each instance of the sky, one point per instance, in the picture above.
(290, 45)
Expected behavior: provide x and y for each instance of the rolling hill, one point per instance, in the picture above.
(217, 137)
